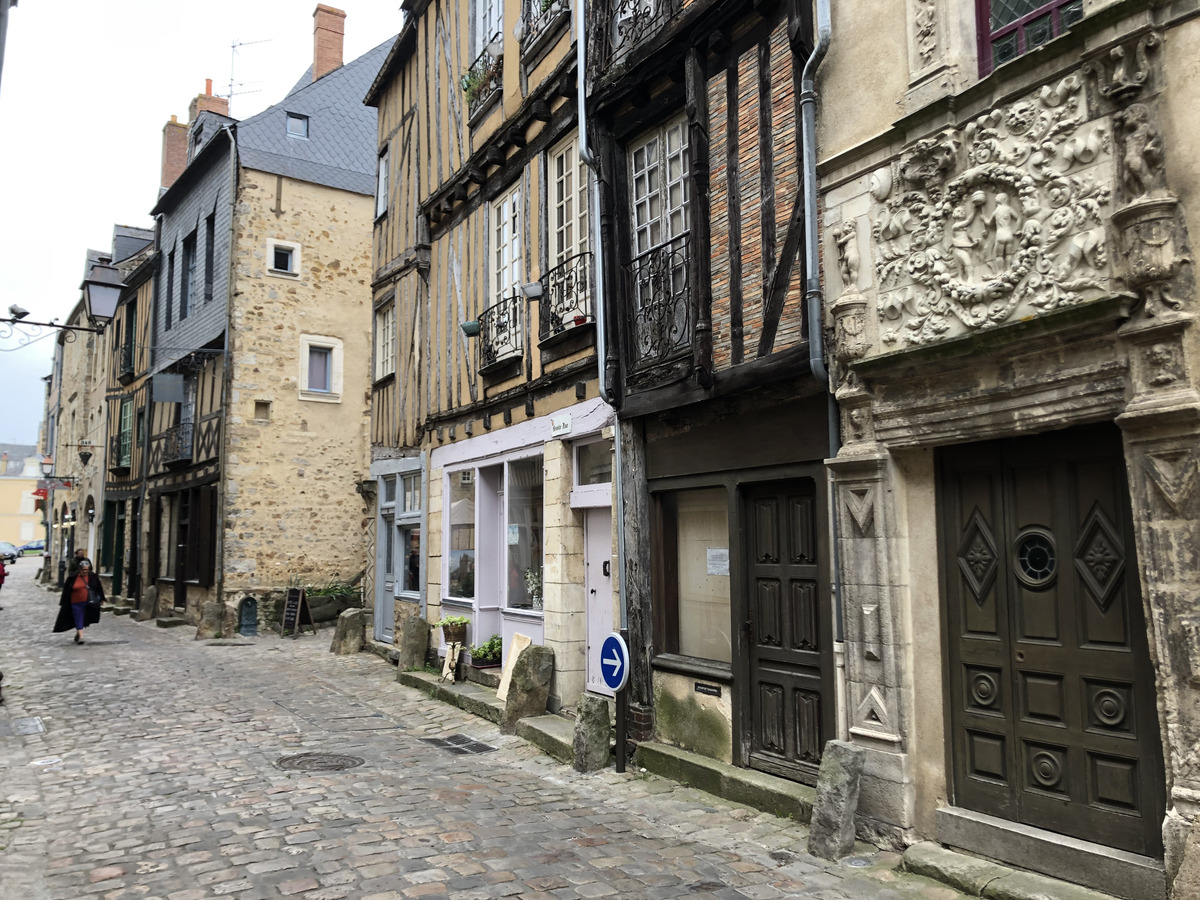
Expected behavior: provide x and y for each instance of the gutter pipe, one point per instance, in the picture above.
(606, 393)
(813, 294)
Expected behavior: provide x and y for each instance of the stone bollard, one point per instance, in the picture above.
(212, 622)
(831, 831)
(148, 605)
(349, 637)
(592, 728)
(530, 686)
(413, 644)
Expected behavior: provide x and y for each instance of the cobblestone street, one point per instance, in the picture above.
(157, 776)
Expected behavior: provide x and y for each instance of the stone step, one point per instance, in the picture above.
(170, 622)
(981, 878)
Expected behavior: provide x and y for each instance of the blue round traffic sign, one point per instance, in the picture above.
(614, 661)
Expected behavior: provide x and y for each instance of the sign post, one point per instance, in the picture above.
(614, 669)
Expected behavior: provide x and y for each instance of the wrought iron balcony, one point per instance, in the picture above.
(501, 332)
(484, 78)
(660, 327)
(177, 443)
(120, 452)
(566, 299)
(632, 21)
(540, 21)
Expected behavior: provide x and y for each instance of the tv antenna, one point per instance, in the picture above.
(233, 83)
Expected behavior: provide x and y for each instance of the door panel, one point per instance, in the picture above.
(1052, 717)
(598, 567)
(785, 586)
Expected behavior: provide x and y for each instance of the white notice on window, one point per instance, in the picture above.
(718, 560)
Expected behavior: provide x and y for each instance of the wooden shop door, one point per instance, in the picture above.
(1052, 708)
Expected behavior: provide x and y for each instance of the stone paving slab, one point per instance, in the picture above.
(157, 777)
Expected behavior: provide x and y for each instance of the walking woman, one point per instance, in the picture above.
(74, 611)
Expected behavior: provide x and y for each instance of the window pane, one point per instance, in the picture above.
(595, 463)
(389, 549)
(283, 259)
(1007, 11)
(524, 533)
(462, 534)
(704, 613)
(389, 490)
(318, 369)
(412, 492)
(1004, 49)
(410, 565)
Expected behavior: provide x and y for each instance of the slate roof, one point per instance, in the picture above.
(14, 466)
(342, 144)
(128, 240)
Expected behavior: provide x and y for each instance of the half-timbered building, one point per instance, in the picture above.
(1006, 242)
(490, 443)
(694, 114)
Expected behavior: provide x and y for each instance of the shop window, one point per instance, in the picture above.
(523, 536)
(461, 554)
(1010, 28)
(593, 474)
(692, 573)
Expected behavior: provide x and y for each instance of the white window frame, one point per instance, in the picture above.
(294, 271)
(658, 196)
(584, 496)
(385, 340)
(568, 202)
(506, 272)
(300, 118)
(336, 370)
(489, 22)
(381, 184)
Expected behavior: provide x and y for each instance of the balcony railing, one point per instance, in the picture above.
(633, 21)
(177, 443)
(125, 374)
(566, 300)
(483, 79)
(501, 332)
(540, 21)
(120, 452)
(660, 324)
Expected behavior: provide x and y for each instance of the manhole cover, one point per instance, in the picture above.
(458, 744)
(319, 762)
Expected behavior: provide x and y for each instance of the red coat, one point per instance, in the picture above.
(91, 615)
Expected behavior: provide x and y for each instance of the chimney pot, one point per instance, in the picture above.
(208, 86)
(329, 31)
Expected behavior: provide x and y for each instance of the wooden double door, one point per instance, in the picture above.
(1052, 718)
(788, 626)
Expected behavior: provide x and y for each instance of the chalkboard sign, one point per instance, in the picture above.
(296, 614)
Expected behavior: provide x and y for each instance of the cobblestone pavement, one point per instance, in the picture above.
(157, 778)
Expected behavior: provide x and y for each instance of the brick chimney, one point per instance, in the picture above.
(329, 28)
(174, 151)
(206, 102)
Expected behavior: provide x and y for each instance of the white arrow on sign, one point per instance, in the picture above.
(614, 661)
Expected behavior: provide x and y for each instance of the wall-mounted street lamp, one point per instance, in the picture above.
(47, 466)
(101, 293)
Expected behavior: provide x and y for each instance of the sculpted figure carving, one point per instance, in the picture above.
(1141, 151)
(1004, 219)
(847, 243)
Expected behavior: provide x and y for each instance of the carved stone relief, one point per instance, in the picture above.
(1174, 474)
(925, 31)
(1004, 217)
(860, 505)
(1124, 71)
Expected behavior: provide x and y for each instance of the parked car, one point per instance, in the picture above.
(8, 552)
(33, 547)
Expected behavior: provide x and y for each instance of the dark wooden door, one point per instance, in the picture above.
(118, 557)
(135, 552)
(1053, 719)
(788, 705)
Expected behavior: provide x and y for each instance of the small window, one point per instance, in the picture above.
(385, 340)
(1011, 28)
(412, 492)
(283, 258)
(297, 125)
(381, 185)
(389, 490)
(320, 368)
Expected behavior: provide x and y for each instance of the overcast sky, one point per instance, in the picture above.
(86, 89)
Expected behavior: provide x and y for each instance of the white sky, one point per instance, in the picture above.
(86, 89)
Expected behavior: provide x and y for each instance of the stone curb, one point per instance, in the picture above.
(982, 878)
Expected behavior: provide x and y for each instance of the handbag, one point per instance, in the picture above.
(94, 600)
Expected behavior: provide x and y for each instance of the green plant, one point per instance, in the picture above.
(451, 620)
(489, 651)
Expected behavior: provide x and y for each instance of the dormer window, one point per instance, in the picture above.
(297, 126)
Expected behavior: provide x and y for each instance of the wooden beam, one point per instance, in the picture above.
(701, 255)
(516, 136)
(766, 187)
(495, 155)
(476, 174)
(733, 191)
(541, 111)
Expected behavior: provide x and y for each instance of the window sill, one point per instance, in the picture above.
(691, 665)
(318, 397)
(383, 381)
(282, 273)
(518, 612)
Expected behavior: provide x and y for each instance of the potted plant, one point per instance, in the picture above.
(533, 586)
(454, 629)
(488, 653)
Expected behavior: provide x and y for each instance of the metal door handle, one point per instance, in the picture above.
(593, 590)
(606, 569)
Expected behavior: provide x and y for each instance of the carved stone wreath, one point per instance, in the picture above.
(1004, 217)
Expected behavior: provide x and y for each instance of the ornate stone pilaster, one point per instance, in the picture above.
(872, 634)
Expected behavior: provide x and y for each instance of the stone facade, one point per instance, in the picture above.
(1016, 266)
(294, 457)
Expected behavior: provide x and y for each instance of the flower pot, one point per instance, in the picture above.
(454, 634)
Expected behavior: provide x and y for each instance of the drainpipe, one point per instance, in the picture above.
(608, 395)
(226, 369)
(813, 295)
